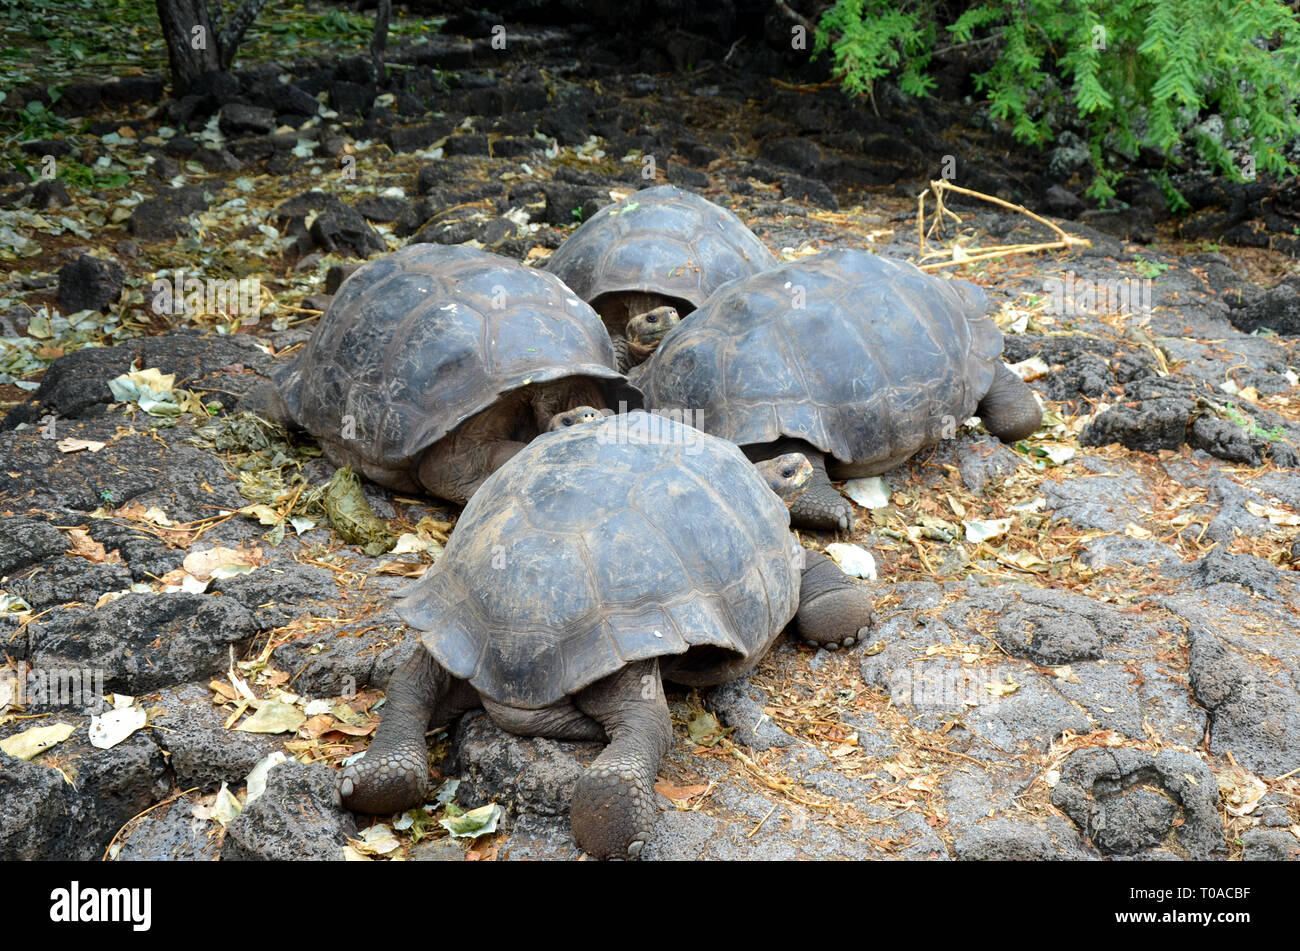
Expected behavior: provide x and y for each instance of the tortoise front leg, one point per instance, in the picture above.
(455, 467)
(394, 774)
(834, 611)
(613, 809)
(622, 361)
(821, 507)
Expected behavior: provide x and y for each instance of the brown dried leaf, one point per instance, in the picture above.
(679, 793)
(83, 546)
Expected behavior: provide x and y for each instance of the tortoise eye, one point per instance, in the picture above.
(787, 473)
(568, 422)
(652, 319)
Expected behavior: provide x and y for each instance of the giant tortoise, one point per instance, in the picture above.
(599, 559)
(651, 259)
(855, 360)
(435, 364)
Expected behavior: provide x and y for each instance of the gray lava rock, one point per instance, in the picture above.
(740, 705)
(1008, 840)
(1086, 375)
(798, 188)
(169, 833)
(1255, 717)
(336, 665)
(802, 155)
(165, 216)
(571, 204)
(69, 579)
(43, 817)
(76, 384)
(1131, 224)
(238, 119)
(286, 98)
(144, 641)
(337, 274)
(1063, 202)
(296, 818)
(276, 596)
(1052, 627)
(1159, 420)
(350, 98)
(1226, 440)
(50, 194)
(26, 541)
(1125, 800)
(529, 776)
(1278, 309)
(438, 850)
(202, 752)
(146, 557)
(344, 231)
(1270, 845)
(32, 799)
(377, 208)
(89, 283)
(1222, 566)
(413, 138)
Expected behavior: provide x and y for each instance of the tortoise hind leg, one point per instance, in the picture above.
(1009, 409)
(834, 611)
(613, 807)
(394, 773)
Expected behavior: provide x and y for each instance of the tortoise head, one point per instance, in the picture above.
(575, 417)
(786, 475)
(646, 331)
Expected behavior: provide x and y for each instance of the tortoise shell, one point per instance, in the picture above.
(662, 240)
(866, 358)
(619, 540)
(420, 340)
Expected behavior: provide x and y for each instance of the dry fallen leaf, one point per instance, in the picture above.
(680, 794)
(273, 717)
(224, 690)
(83, 546)
(1001, 689)
(33, 742)
(74, 444)
(1271, 512)
(221, 562)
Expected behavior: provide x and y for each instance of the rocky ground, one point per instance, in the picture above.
(1087, 644)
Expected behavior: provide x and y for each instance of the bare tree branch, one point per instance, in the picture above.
(233, 34)
(380, 39)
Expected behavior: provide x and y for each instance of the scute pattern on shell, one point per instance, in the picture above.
(662, 240)
(625, 539)
(414, 343)
(879, 357)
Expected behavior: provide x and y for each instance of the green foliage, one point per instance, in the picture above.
(33, 121)
(1149, 269)
(81, 176)
(1136, 72)
(1249, 425)
(873, 38)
